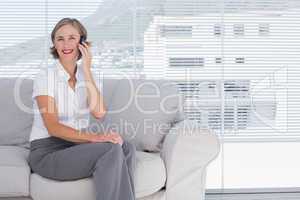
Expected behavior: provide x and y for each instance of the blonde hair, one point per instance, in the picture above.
(68, 21)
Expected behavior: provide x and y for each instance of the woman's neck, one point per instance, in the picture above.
(70, 67)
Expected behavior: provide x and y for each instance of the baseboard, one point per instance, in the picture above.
(258, 196)
(253, 190)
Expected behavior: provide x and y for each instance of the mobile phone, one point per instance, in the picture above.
(81, 39)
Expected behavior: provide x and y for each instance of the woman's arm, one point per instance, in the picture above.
(95, 100)
(48, 110)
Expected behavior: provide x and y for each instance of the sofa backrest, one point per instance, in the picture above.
(16, 115)
(15, 121)
(143, 110)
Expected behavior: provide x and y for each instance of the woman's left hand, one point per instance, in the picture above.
(86, 56)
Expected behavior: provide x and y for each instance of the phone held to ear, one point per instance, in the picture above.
(81, 40)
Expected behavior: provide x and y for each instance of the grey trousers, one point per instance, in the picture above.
(111, 165)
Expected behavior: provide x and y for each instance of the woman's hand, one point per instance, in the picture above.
(112, 137)
(86, 56)
(115, 137)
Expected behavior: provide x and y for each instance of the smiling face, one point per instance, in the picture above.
(66, 43)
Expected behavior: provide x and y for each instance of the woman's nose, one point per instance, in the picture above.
(67, 43)
(66, 46)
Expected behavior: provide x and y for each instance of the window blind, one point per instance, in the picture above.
(235, 61)
(26, 28)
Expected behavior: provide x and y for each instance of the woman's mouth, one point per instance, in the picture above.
(69, 51)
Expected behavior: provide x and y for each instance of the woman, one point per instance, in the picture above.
(64, 95)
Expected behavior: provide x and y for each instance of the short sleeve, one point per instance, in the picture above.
(43, 84)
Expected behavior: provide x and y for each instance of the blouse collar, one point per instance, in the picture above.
(63, 73)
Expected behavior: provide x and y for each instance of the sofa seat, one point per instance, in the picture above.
(150, 177)
(14, 171)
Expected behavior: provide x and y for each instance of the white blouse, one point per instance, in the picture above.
(71, 104)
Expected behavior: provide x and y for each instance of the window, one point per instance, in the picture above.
(217, 29)
(240, 60)
(26, 28)
(238, 29)
(203, 104)
(218, 60)
(186, 62)
(236, 62)
(156, 41)
(264, 29)
(175, 31)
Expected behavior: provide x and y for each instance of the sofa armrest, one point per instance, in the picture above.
(187, 150)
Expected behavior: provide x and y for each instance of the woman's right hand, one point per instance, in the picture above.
(112, 137)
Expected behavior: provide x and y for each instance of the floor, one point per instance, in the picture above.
(261, 196)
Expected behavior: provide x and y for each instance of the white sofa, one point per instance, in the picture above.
(176, 172)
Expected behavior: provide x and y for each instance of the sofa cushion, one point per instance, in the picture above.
(150, 177)
(14, 171)
(16, 111)
(143, 111)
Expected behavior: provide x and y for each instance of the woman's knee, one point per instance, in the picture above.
(116, 148)
(115, 151)
(99, 151)
(128, 147)
(113, 156)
